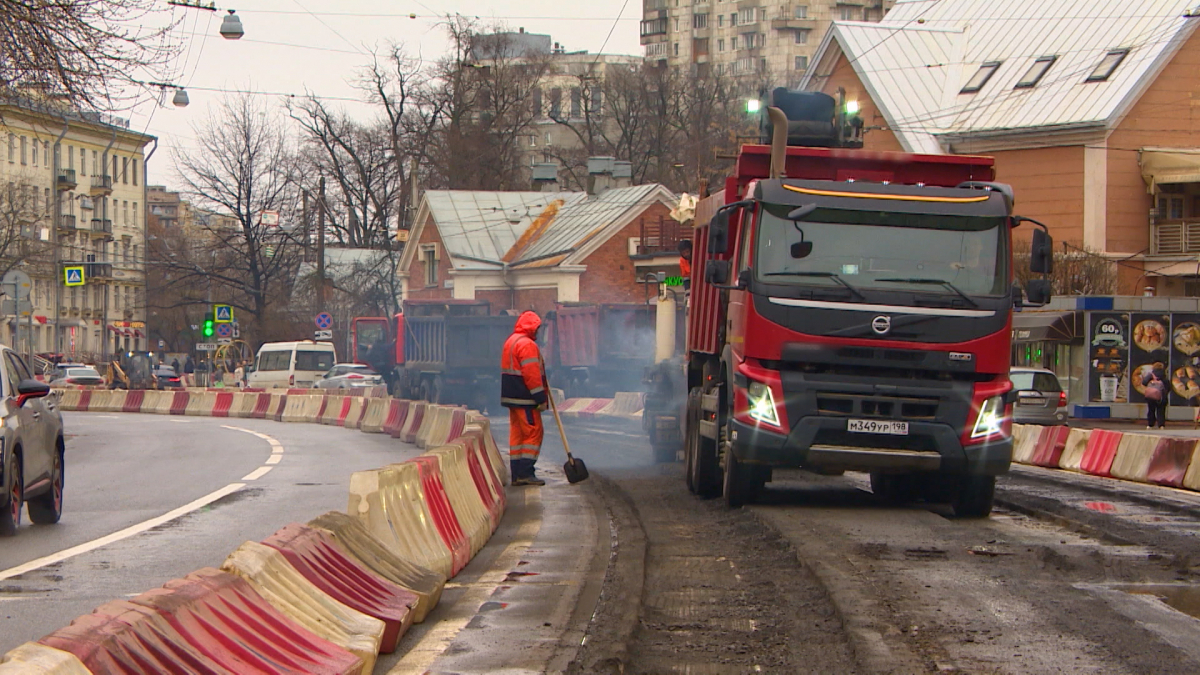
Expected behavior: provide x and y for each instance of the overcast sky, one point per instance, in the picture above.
(293, 46)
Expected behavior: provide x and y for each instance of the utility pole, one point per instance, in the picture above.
(321, 248)
(307, 229)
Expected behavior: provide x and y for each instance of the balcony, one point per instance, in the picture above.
(102, 186)
(66, 180)
(95, 270)
(101, 226)
(789, 23)
(654, 27)
(1175, 236)
(660, 238)
(66, 222)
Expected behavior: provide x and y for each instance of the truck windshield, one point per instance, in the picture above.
(954, 255)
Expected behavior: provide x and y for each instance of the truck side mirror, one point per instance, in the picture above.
(716, 272)
(1039, 292)
(1041, 258)
(743, 280)
(718, 234)
(1018, 294)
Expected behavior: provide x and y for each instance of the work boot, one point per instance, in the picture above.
(529, 480)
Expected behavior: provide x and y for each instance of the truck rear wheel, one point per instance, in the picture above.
(706, 464)
(974, 496)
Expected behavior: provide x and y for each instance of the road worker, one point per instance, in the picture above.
(685, 262)
(523, 392)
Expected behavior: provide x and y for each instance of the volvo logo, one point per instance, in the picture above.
(881, 324)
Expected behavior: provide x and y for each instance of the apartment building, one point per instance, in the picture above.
(778, 37)
(74, 196)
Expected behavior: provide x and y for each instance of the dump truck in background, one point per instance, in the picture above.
(849, 310)
(596, 350)
(441, 351)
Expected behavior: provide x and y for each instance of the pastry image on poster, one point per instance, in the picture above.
(1184, 374)
(1108, 344)
(1150, 344)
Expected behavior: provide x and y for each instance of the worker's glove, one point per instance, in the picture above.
(542, 407)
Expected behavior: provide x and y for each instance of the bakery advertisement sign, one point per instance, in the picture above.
(1108, 356)
(1150, 345)
(1185, 359)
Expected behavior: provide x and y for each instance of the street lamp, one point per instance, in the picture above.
(181, 98)
(231, 27)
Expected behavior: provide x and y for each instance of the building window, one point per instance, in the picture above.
(801, 11)
(95, 163)
(746, 15)
(1170, 207)
(537, 102)
(677, 23)
(135, 171)
(720, 21)
(801, 63)
(846, 12)
(114, 169)
(555, 103)
(1035, 72)
(733, 43)
(733, 19)
(699, 21)
(70, 157)
(125, 170)
(24, 150)
(12, 148)
(721, 44)
(576, 102)
(36, 145)
(124, 213)
(801, 37)
(675, 48)
(1107, 65)
(597, 101)
(980, 77)
(429, 256)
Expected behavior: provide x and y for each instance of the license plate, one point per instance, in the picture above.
(877, 427)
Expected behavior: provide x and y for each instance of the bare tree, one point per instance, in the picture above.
(23, 217)
(243, 167)
(85, 50)
(1077, 270)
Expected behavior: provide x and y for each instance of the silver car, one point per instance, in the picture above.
(77, 375)
(1040, 398)
(349, 376)
(32, 450)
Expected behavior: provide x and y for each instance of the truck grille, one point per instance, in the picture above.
(891, 407)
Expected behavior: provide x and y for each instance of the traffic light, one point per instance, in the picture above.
(208, 328)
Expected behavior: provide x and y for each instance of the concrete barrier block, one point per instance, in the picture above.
(315, 556)
(444, 517)
(358, 405)
(469, 508)
(477, 444)
(628, 403)
(294, 407)
(499, 461)
(223, 403)
(32, 658)
(436, 423)
(201, 403)
(1191, 479)
(412, 424)
(375, 416)
(1076, 445)
(1172, 459)
(390, 503)
(397, 413)
(134, 400)
(1134, 452)
(349, 533)
(68, 399)
(278, 582)
(1026, 444)
(334, 409)
(314, 407)
(1100, 453)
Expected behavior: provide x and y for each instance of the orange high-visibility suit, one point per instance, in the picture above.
(523, 392)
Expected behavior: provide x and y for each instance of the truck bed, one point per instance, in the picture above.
(442, 343)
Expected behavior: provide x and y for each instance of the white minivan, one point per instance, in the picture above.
(291, 364)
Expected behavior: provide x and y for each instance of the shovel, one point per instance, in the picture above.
(575, 469)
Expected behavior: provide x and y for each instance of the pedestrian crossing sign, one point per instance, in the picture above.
(222, 314)
(73, 276)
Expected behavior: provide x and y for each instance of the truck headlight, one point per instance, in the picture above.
(762, 404)
(990, 419)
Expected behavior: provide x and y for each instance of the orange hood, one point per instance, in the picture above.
(528, 324)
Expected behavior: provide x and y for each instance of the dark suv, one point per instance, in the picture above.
(31, 447)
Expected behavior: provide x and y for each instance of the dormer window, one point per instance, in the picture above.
(980, 77)
(1035, 73)
(1107, 65)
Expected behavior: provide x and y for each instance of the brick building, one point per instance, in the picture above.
(1091, 113)
(531, 250)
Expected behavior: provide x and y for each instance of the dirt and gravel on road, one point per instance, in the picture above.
(822, 577)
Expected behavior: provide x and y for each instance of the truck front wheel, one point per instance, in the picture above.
(973, 496)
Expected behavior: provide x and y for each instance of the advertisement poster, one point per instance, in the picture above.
(1150, 344)
(1108, 356)
(1185, 360)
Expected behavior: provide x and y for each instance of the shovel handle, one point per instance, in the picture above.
(554, 408)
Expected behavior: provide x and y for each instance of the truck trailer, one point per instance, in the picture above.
(849, 310)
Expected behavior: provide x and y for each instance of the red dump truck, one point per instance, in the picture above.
(849, 310)
(441, 351)
(596, 350)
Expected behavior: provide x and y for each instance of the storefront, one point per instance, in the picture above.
(1103, 346)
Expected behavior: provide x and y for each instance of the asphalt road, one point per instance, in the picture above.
(124, 471)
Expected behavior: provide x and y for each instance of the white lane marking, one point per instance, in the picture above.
(258, 473)
(273, 459)
(121, 534)
(180, 421)
(434, 643)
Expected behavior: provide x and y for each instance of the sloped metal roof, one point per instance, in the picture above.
(579, 221)
(921, 55)
(485, 224)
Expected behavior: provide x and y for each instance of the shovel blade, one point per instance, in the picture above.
(575, 470)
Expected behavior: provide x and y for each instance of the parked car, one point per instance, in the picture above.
(1040, 397)
(59, 371)
(291, 364)
(33, 450)
(78, 375)
(167, 378)
(350, 376)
